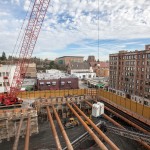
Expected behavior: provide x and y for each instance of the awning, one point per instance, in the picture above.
(100, 85)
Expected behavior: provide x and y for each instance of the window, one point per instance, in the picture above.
(48, 83)
(0, 83)
(54, 83)
(69, 82)
(145, 103)
(62, 83)
(41, 83)
(7, 74)
(0, 74)
(3, 73)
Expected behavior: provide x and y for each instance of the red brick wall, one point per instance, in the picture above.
(58, 86)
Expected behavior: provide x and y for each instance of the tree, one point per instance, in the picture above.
(3, 56)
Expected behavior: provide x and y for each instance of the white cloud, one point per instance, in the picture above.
(26, 4)
(73, 21)
(17, 2)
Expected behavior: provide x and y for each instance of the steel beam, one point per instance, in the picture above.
(112, 145)
(120, 126)
(68, 143)
(26, 146)
(15, 145)
(53, 129)
(126, 120)
(97, 140)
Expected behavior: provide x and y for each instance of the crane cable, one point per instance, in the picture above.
(98, 28)
(21, 29)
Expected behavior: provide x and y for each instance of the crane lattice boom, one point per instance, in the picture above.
(30, 37)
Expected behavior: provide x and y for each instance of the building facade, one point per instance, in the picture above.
(31, 71)
(56, 80)
(100, 68)
(6, 70)
(66, 60)
(81, 70)
(130, 74)
(91, 59)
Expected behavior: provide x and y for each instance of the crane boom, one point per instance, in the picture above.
(32, 30)
(30, 37)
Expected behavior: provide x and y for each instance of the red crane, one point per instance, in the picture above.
(32, 30)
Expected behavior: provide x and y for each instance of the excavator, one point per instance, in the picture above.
(72, 123)
(32, 30)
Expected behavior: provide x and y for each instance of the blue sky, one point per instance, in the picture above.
(71, 27)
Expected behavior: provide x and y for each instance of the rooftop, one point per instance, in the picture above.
(53, 74)
(70, 56)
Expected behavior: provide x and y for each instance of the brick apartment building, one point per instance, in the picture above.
(56, 80)
(130, 74)
(101, 68)
(66, 60)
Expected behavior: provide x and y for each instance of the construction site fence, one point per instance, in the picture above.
(50, 93)
(120, 101)
(129, 104)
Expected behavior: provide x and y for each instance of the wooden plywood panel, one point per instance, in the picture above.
(31, 94)
(133, 106)
(140, 109)
(128, 103)
(122, 102)
(118, 100)
(70, 92)
(146, 112)
(52, 94)
(114, 96)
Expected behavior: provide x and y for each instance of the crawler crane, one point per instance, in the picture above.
(32, 31)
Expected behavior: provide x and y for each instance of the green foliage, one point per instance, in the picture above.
(3, 57)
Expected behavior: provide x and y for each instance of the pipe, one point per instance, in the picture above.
(26, 147)
(68, 143)
(126, 120)
(53, 129)
(15, 145)
(112, 145)
(120, 126)
(97, 140)
(108, 118)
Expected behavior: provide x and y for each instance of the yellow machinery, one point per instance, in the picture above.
(90, 117)
(72, 123)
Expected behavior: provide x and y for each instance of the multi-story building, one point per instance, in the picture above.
(66, 60)
(31, 71)
(81, 70)
(6, 70)
(130, 74)
(56, 80)
(91, 59)
(100, 68)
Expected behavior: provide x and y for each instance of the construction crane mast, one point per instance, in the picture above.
(32, 31)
